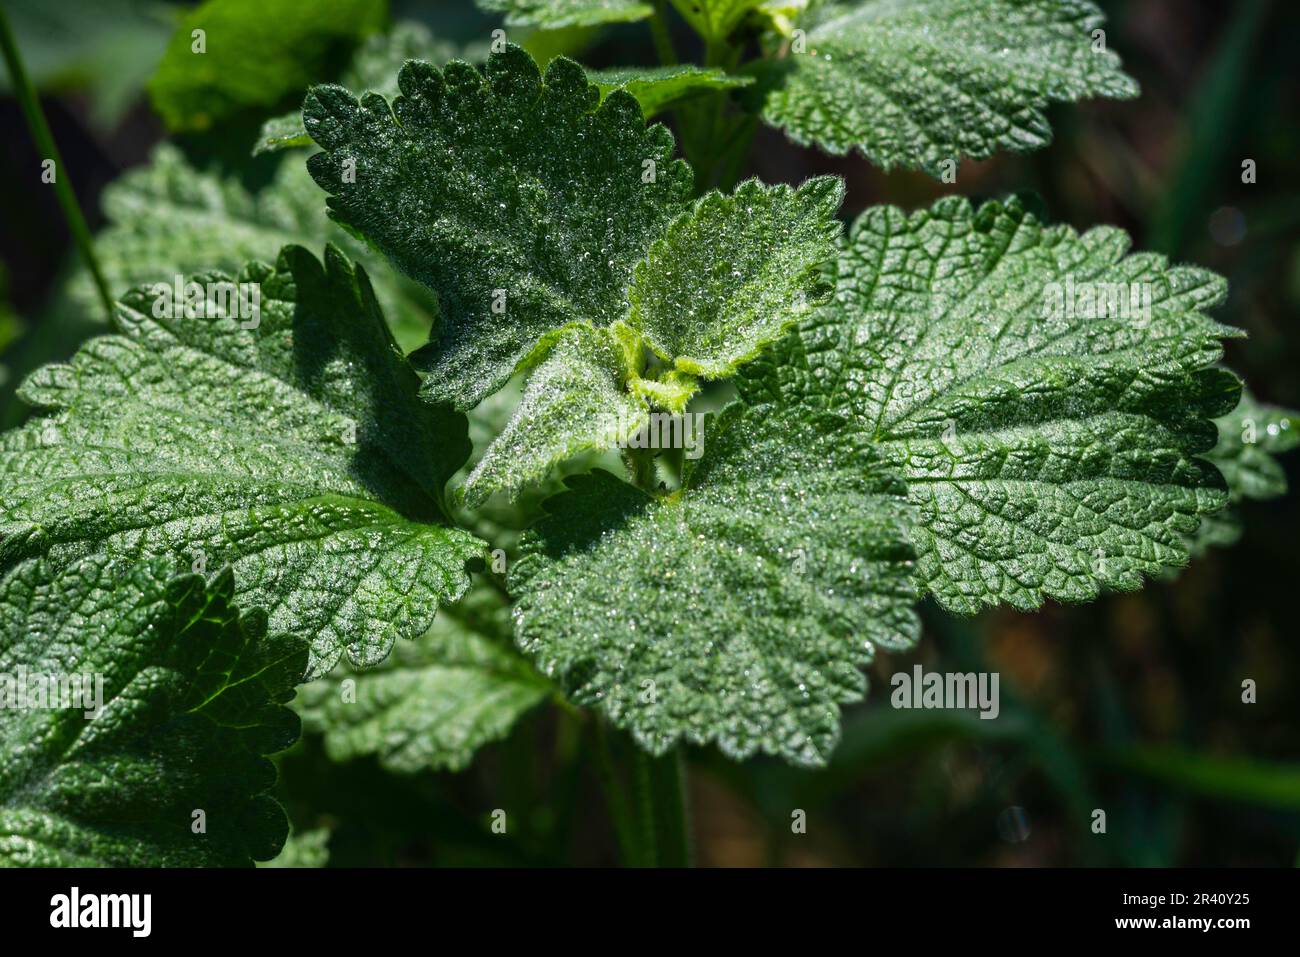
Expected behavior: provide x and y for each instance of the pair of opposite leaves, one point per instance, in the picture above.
(299, 454)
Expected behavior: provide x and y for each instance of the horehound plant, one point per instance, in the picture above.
(961, 402)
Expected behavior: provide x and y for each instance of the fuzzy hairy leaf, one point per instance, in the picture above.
(657, 88)
(554, 14)
(374, 67)
(919, 83)
(257, 53)
(379, 60)
(1249, 438)
(520, 203)
(435, 701)
(169, 219)
(1048, 453)
(296, 452)
(576, 400)
(192, 701)
(732, 276)
(727, 279)
(738, 610)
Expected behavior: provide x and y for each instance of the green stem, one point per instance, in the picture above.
(643, 787)
(736, 152)
(653, 829)
(711, 132)
(660, 797)
(40, 130)
(662, 38)
(674, 828)
(641, 464)
(620, 816)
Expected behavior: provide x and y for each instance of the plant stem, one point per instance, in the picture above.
(644, 790)
(40, 130)
(620, 816)
(661, 805)
(715, 138)
(662, 38)
(670, 799)
(641, 464)
(653, 830)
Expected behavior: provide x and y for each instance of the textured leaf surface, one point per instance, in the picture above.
(660, 87)
(737, 611)
(735, 274)
(914, 84)
(727, 279)
(192, 696)
(554, 14)
(521, 203)
(435, 701)
(374, 67)
(170, 219)
(296, 451)
(576, 400)
(1249, 439)
(257, 53)
(1048, 454)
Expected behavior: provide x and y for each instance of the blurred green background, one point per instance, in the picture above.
(1131, 704)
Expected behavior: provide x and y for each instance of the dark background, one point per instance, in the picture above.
(1131, 704)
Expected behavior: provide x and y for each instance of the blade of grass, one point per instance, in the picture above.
(1217, 111)
(40, 130)
(1232, 779)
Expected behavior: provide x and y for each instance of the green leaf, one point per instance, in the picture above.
(576, 400)
(732, 276)
(256, 54)
(295, 451)
(1049, 450)
(738, 610)
(1249, 438)
(920, 83)
(541, 215)
(192, 695)
(783, 16)
(523, 204)
(374, 67)
(659, 88)
(377, 61)
(304, 849)
(726, 280)
(169, 219)
(281, 133)
(435, 701)
(715, 19)
(545, 45)
(380, 58)
(553, 14)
